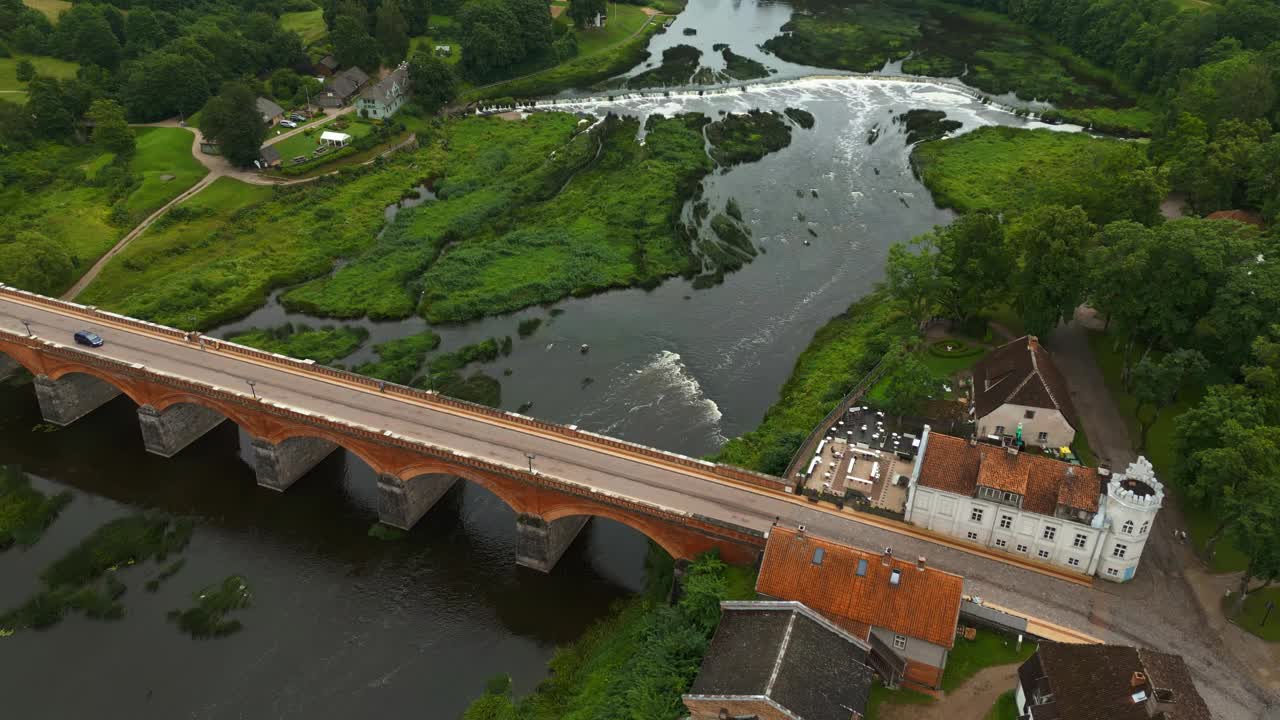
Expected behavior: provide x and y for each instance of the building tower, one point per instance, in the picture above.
(1131, 504)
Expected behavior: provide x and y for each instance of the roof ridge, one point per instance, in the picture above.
(782, 653)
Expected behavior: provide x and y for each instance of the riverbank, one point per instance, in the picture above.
(643, 657)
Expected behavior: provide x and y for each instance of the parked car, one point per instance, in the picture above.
(288, 123)
(87, 337)
(298, 117)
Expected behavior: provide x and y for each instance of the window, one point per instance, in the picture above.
(1029, 415)
(1011, 497)
(976, 515)
(1043, 554)
(1127, 528)
(1146, 525)
(1119, 551)
(817, 555)
(1113, 572)
(1073, 562)
(862, 568)
(1022, 548)
(1043, 438)
(999, 429)
(1002, 543)
(899, 642)
(971, 535)
(1006, 521)
(1050, 532)
(1080, 540)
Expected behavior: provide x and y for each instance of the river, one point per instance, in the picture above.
(345, 625)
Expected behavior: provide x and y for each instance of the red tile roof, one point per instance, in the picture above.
(1247, 217)
(925, 604)
(1023, 373)
(953, 465)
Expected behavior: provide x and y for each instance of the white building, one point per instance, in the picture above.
(1018, 385)
(1034, 506)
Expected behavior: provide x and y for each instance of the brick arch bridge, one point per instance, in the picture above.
(413, 473)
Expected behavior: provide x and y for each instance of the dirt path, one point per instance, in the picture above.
(124, 241)
(971, 701)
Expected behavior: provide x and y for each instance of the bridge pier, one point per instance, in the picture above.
(279, 466)
(8, 366)
(402, 503)
(167, 432)
(71, 397)
(539, 544)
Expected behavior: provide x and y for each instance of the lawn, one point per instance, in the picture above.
(217, 256)
(624, 21)
(163, 153)
(1004, 169)
(51, 8)
(1160, 450)
(1255, 606)
(52, 67)
(1006, 708)
(306, 142)
(988, 649)
(309, 24)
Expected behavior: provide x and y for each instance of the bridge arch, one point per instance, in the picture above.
(512, 493)
(134, 391)
(665, 536)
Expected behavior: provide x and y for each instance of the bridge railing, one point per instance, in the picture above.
(431, 397)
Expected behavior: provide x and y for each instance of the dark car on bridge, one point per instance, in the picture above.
(92, 339)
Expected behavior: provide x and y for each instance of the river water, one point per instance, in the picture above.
(344, 625)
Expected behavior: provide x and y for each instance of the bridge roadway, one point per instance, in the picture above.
(597, 467)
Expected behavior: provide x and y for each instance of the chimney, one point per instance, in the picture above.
(973, 441)
(800, 530)
(920, 563)
(887, 557)
(1011, 449)
(1138, 680)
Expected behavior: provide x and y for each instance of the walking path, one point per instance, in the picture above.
(218, 167)
(971, 701)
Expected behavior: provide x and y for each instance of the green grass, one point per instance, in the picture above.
(208, 618)
(309, 24)
(1006, 707)
(399, 360)
(579, 72)
(1004, 169)
(641, 658)
(991, 51)
(841, 352)
(52, 67)
(50, 8)
(624, 21)
(323, 345)
(988, 649)
(1160, 450)
(1255, 606)
(161, 152)
(1131, 121)
(538, 211)
(306, 142)
(1080, 446)
(25, 513)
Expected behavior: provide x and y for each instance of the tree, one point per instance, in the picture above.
(433, 83)
(392, 31)
(163, 84)
(909, 384)
(1252, 505)
(352, 44)
(1051, 241)
(110, 130)
(232, 119)
(417, 13)
(143, 32)
(489, 36)
(37, 263)
(48, 108)
(584, 11)
(1156, 384)
(911, 277)
(25, 70)
(285, 83)
(974, 264)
